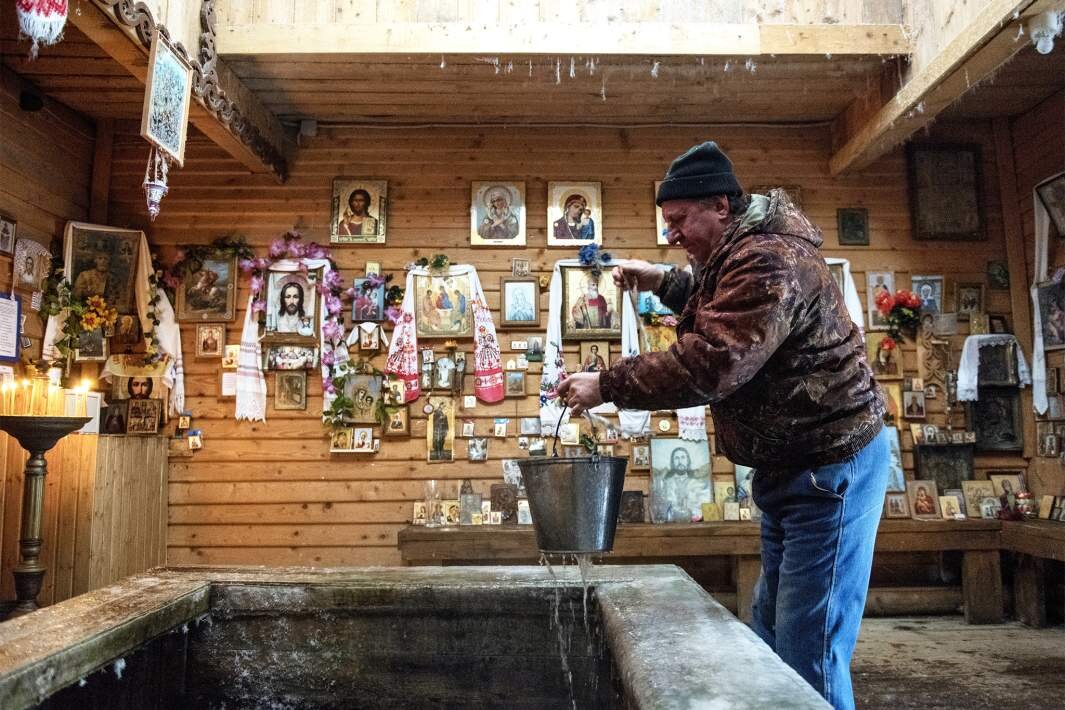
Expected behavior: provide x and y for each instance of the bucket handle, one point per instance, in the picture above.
(558, 427)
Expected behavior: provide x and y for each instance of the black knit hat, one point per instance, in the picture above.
(702, 171)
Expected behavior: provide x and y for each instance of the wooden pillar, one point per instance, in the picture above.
(101, 171)
(1016, 261)
(982, 586)
(746, 569)
(1029, 591)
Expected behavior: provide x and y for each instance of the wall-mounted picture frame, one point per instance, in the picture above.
(91, 346)
(877, 282)
(640, 459)
(913, 406)
(397, 422)
(444, 305)
(364, 391)
(340, 440)
(368, 302)
(103, 262)
(930, 290)
(514, 383)
(290, 390)
(208, 291)
(946, 464)
(497, 213)
(680, 479)
(946, 185)
(574, 214)
(440, 430)
(591, 305)
(968, 299)
(290, 357)
(292, 306)
(998, 365)
(519, 302)
(853, 226)
(996, 419)
(210, 340)
(167, 99)
(143, 415)
(8, 232)
(884, 357)
(360, 211)
(1051, 298)
(1052, 194)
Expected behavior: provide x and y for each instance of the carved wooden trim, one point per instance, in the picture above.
(205, 85)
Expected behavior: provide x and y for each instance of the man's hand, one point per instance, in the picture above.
(580, 391)
(642, 275)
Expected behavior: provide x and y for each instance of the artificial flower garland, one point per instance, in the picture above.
(290, 245)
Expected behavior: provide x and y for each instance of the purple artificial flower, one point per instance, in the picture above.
(278, 247)
(333, 330)
(327, 385)
(247, 265)
(303, 267)
(333, 305)
(258, 306)
(262, 262)
(332, 280)
(329, 358)
(349, 292)
(256, 285)
(394, 314)
(295, 249)
(316, 251)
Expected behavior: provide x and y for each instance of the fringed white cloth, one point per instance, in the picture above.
(969, 367)
(402, 360)
(251, 385)
(1041, 273)
(42, 21)
(167, 332)
(850, 292)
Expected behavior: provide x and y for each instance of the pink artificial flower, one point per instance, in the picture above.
(669, 320)
(333, 305)
(256, 285)
(332, 279)
(329, 358)
(262, 262)
(327, 385)
(295, 249)
(247, 265)
(258, 306)
(394, 314)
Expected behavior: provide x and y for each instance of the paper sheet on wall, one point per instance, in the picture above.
(9, 328)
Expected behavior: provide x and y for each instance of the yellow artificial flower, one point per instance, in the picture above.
(96, 303)
(90, 321)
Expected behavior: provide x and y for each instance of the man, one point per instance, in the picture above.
(290, 314)
(765, 339)
(593, 362)
(356, 220)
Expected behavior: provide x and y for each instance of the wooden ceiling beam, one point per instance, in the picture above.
(619, 38)
(887, 116)
(225, 111)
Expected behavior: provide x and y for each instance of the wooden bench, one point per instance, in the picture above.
(979, 542)
(1033, 542)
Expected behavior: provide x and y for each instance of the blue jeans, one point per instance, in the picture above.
(818, 533)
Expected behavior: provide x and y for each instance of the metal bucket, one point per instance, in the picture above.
(574, 501)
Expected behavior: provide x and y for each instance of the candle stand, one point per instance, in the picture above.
(37, 435)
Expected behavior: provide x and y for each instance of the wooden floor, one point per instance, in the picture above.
(941, 662)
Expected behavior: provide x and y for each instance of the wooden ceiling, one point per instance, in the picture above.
(74, 71)
(549, 89)
(1019, 86)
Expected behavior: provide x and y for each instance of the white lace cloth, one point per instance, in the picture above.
(969, 367)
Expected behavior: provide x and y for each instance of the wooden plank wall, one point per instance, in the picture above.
(1037, 156)
(270, 493)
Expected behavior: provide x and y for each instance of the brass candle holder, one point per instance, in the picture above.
(37, 435)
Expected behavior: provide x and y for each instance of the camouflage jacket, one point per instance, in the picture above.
(765, 339)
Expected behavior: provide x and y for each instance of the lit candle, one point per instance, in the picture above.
(3, 397)
(80, 402)
(22, 405)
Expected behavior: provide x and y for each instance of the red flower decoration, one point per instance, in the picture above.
(885, 302)
(888, 343)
